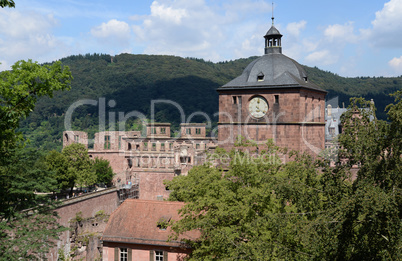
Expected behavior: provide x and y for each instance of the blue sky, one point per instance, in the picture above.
(350, 38)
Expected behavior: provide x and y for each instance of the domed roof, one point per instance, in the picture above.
(273, 70)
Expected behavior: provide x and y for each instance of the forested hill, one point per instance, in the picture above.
(132, 81)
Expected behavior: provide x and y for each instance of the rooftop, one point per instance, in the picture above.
(135, 221)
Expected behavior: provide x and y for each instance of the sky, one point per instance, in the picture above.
(350, 38)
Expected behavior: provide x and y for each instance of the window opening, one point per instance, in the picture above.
(277, 99)
(119, 142)
(130, 163)
(145, 145)
(319, 112)
(76, 138)
(107, 142)
(197, 146)
(188, 131)
(260, 77)
(239, 100)
(153, 130)
(153, 146)
(158, 255)
(312, 113)
(123, 254)
(234, 100)
(198, 131)
(163, 130)
(162, 146)
(129, 146)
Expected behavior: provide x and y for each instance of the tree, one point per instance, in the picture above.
(72, 166)
(7, 3)
(252, 210)
(28, 225)
(103, 170)
(19, 91)
(366, 222)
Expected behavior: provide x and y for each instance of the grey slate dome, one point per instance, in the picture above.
(272, 70)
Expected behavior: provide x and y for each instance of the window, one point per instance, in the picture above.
(153, 130)
(198, 131)
(163, 146)
(145, 145)
(305, 112)
(331, 131)
(234, 100)
(158, 255)
(107, 142)
(239, 100)
(163, 130)
(312, 113)
(197, 146)
(76, 138)
(123, 254)
(277, 99)
(130, 163)
(119, 142)
(260, 77)
(170, 145)
(153, 146)
(129, 146)
(319, 113)
(188, 131)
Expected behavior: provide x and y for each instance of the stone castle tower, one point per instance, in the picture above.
(273, 99)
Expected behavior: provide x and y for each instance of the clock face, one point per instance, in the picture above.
(258, 107)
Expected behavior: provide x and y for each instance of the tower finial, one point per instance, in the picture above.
(272, 13)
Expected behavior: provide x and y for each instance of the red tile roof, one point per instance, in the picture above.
(135, 221)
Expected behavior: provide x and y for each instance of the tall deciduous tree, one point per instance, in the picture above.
(19, 91)
(103, 170)
(72, 166)
(21, 231)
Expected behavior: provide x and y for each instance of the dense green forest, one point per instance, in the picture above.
(132, 81)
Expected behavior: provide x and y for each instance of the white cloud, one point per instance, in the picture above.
(168, 13)
(27, 36)
(200, 29)
(396, 64)
(323, 57)
(113, 28)
(387, 26)
(340, 33)
(295, 28)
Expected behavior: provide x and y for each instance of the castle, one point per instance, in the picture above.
(272, 99)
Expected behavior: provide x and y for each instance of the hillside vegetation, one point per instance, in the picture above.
(132, 81)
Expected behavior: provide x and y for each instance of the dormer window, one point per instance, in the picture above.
(260, 77)
(305, 79)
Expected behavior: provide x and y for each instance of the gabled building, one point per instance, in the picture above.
(137, 231)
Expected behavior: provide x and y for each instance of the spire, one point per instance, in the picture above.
(273, 38)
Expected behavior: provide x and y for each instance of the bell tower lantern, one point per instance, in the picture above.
(273, 40)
